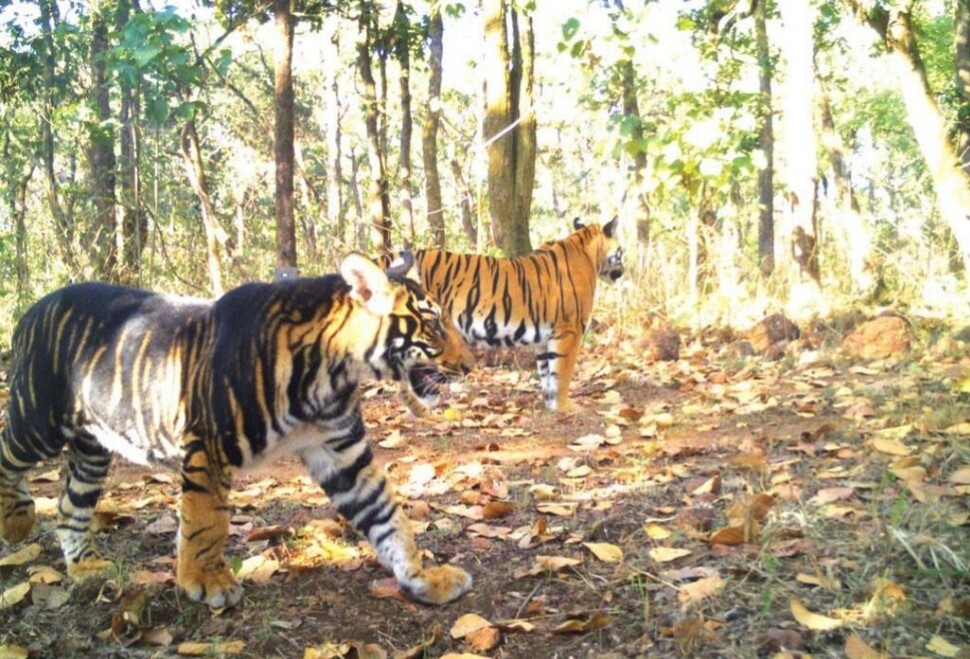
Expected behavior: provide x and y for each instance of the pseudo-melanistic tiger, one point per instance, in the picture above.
(265, 370)
(543, 299)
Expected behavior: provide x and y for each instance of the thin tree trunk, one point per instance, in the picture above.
(63, 222)
(134, 227)
(285, 226)
(336, 213)
(631, 108)
(468, 219)
(800, 155)
(429, 138)
(766, 188)
(215, 236)
(951, 185)
(402, 51)
(378, 202)
(102, 244)
(523, 77)
(961, 58)
(855, 238)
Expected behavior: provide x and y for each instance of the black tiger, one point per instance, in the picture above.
(265, 370)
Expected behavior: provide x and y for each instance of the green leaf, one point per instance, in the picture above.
(570, 28)
(144, 54)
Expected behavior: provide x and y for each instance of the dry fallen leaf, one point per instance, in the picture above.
(667, 554)
(13, 652)
(545, 564)
(891, 446)
(497, 509)
(811, 620)
(606, 552)
(468, 623)
(598, 620)
(484, 639)
(700, 589)
(24, 555)
(258, 569)
(941, 646)
(729, 535)
(14, 595)
(194, 649)
(856, 648)
(961, 476)
(563, 509)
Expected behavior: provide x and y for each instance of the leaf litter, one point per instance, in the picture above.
(691, 505)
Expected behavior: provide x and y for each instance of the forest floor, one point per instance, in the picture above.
(705, 507)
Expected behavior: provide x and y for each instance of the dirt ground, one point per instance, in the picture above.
(711, 506)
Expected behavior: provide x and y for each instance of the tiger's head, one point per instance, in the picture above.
(420, 348)
(611, 252)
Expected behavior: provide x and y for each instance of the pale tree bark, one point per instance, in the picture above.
(854, 236)
(766, 186)
(215, 236)
(961, 60)
(429, 135)
(283, 55)
(951, 185)
(800, 159)
(401, 31)
(378, 214)
(102, 240)
(509, 126)
(336, 213)
(468, 216)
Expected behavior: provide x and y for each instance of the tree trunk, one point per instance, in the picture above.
(854, 234)
(102, 244)
(134, 227)
(631, 108)
(378, 201)
(468, 219)
(800, 156)
(961, 58)
(402, 51)
(336, 213)
(215, 236)
(509, 128)
(285, 226)
(950, 183)
(766, 188)
(63, 222)
(429, 137)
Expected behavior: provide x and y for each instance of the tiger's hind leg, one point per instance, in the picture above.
(16, 504)
(204, 514)
(361, 494)
(88, 463)
(556, 364)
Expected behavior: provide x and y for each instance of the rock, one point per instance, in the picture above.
(660, 345)
(879, 338)
(771, 331)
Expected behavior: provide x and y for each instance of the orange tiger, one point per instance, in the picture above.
(265, 370)
(544, 299)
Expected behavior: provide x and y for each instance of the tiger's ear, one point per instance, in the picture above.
(578, 224)
(609, 229)
(368, 284)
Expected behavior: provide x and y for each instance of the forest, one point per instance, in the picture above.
(751, 474)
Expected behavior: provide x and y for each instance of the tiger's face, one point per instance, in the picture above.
(611, 267)
(425, 350)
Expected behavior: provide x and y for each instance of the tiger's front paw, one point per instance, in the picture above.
(214, 586)
(16, 518)
(438, 585)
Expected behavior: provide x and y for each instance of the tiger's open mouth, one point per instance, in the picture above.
(426, 383)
